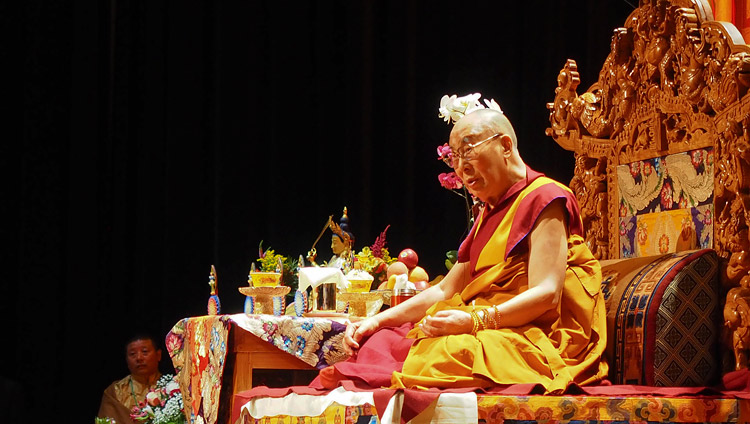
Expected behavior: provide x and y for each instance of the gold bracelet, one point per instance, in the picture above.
(475, 322)
(485, 319)
(494, 317)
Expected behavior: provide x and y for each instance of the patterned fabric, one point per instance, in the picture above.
(199, 343)
(198, 348)
(316, 341)
(594, 409)
(335, 414)
(666, 204)
(661, 319)
(554, 409)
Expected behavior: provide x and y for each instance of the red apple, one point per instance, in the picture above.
(409, 258)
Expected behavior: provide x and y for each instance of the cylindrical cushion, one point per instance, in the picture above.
(663, 319)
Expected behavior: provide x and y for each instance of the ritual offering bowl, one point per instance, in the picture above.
(359, 286)
(265, 279)
(358, 301)
(265, 300)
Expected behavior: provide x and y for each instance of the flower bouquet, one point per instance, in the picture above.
(376, 258)
(163, 404)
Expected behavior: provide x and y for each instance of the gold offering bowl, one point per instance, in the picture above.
(358, 301)
(264, 296)
(264, 279)
(359, 286)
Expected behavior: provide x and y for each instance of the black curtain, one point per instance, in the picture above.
(148, 140)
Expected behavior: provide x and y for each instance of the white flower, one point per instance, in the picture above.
(492, 104)
(452, 108)
(445, 104)
(171, 388)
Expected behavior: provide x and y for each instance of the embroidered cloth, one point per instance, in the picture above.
(198, 348)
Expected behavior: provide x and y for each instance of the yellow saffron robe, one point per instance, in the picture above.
(563, 346)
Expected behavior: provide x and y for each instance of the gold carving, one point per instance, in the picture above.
(674, 81)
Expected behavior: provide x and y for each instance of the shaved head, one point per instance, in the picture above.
(490, 119)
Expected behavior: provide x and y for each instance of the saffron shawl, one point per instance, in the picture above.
(563, 346)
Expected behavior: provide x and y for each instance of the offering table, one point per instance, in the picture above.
(214, 356)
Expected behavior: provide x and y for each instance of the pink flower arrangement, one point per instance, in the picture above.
(445, 154)
(450, 180)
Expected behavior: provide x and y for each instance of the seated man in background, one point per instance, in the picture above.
(142, 356)
(523, 303)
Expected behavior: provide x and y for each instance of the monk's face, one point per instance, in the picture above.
(485, 173)
(143, 359)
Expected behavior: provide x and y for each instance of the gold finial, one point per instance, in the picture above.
(213, 281)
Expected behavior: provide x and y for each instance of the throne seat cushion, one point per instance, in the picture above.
(663, 319)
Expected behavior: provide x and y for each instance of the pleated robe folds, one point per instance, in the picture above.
(563, 346)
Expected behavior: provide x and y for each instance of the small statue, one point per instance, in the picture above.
(214, 305)
(341, 244)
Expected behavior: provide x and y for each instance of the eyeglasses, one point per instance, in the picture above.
(468, 151)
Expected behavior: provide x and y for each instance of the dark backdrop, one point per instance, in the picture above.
(147, 140)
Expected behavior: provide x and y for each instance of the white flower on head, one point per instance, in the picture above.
(492, 104)
(452, 108)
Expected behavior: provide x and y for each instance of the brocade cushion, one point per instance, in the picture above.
(663, 319)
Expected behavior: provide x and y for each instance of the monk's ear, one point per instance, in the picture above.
(507, 143)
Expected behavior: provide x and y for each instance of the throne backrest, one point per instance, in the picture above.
(660, 140)
(661, 144)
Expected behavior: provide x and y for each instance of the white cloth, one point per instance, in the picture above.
(449, 408)
(315, 276)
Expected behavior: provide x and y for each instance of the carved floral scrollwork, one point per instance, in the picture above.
(589, 184)
(674, 81)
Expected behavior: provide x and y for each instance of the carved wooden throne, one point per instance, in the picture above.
(665, 130)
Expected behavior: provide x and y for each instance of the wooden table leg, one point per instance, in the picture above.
(251, 352)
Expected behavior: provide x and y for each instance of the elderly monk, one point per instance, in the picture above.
(523, 302)
(142, 356)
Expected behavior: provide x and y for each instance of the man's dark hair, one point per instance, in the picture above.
(143, 335)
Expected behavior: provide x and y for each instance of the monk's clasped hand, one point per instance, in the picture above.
(446, 322)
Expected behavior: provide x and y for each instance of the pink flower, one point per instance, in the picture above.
(450, 180)
(444, 152)
(153, 399)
